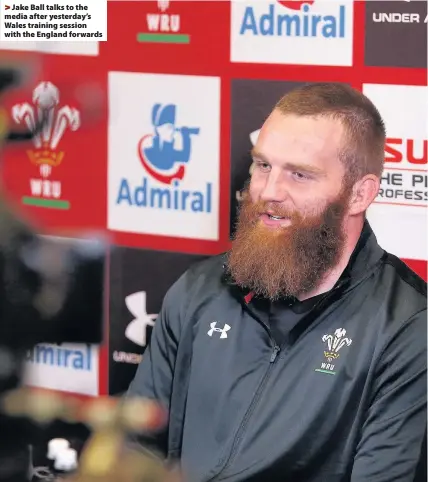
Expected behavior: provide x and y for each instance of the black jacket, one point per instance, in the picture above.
(342, 399)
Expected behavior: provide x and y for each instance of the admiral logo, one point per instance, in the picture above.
(163, 27)
(164, 179)
(64, 367)
(298, 32)
(276, 22)
(57, 355)
(295, 4)
(46, 190)
(164, 155)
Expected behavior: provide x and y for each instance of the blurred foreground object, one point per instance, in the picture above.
(105, 457)
(51, 291)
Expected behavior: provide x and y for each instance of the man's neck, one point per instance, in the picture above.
(353, 232)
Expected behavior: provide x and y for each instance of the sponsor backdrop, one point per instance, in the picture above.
(66, 367)
(184, 88)
(139, 280)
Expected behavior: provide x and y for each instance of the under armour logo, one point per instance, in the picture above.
(223, 330)
(136, 331)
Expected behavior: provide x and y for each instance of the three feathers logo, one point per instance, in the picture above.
(334, 343)
(56, 119)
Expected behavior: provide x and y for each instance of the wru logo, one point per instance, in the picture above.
(223, 330)
(56, 119)
(335, 343)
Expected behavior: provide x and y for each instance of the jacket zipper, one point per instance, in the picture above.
(249, 412)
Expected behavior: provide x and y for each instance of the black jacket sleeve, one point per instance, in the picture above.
(392, 439)
(154, 376)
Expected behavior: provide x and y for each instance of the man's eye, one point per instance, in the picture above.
(300, 176)
(264, 166)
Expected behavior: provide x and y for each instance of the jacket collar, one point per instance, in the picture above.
(365, 258)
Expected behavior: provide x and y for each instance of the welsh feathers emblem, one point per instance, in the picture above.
(335, 343)
(46, 106)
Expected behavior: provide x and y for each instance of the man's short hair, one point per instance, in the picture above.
(364, 149)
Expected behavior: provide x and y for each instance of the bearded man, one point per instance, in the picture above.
(299, 355)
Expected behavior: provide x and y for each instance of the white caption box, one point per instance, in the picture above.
(44, 21)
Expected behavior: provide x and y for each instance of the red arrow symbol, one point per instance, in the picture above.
(6, 7)
(295, 4)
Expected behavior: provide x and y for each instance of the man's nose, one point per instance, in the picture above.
(274, 189)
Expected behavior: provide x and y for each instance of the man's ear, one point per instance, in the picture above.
(364, 192)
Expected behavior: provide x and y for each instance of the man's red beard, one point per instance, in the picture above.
(289, 261)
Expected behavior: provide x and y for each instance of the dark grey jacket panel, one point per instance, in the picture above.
(343, 400)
